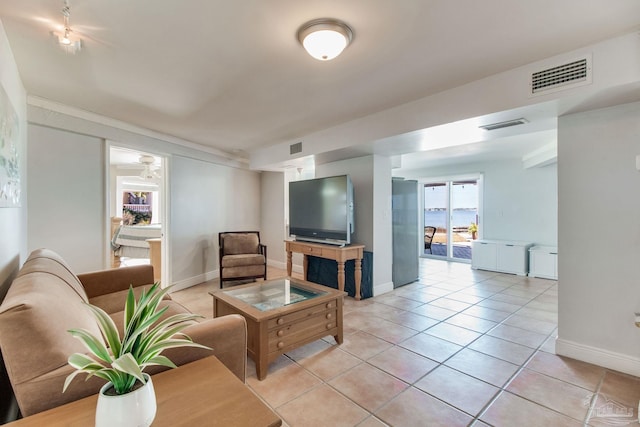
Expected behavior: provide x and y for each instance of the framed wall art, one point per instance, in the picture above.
(9, 154)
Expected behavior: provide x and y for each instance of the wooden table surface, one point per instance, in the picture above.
(340, 254)
(202, 393)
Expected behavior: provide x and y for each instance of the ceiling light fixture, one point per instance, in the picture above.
(66, 40)
(148, 173)
(325, 38)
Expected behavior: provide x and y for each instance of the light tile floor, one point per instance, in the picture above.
(458, 347)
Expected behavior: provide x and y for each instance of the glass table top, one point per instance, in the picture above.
(274, 294)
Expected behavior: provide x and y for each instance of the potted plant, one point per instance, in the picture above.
(122, 360)
(473, 229)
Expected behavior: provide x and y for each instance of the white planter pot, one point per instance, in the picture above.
(135, 409)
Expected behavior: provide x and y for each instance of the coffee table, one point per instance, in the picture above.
(281, 315)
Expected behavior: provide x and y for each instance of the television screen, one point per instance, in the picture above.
(321, 209)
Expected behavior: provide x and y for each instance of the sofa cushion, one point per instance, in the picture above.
(35, 317)
(45, 260)
(114, 302)
(241, 243)
(245, 271)
(242, 260)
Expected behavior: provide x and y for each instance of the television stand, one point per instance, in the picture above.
(340, 254)
(340, 243)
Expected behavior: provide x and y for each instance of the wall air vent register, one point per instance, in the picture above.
(572, 74)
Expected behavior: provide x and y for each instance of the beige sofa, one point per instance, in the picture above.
(47, 299)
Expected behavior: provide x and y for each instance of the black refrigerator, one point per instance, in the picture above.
(404, 208)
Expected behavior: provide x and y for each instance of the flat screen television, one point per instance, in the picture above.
(321, 210)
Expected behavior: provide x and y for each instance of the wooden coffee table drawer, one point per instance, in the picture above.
(311, 250)
(301, 314)
(291, 334)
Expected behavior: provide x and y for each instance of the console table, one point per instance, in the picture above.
(201, 393)
(340, 254)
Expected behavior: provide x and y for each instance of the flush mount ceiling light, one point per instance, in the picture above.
(66, 40)
(325, 38)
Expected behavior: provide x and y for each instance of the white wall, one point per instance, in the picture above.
(205, 196)
(67, 196)
(519, 204)
(13, 220)
(206, 199)
(272, 222)
(382, 226)
(599, 237)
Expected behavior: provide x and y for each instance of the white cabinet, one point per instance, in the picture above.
(500, 255)
(543, 262)
(484, 255)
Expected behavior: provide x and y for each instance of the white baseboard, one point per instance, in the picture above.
(598, 356)
(277, 264)
(382, 288)
(283, 265)
(295, 268)
(195, 280)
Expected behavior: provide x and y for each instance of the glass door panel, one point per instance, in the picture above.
(464, 217)
(436, 214)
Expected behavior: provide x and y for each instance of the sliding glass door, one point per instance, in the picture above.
(436, 214)
(452, 207)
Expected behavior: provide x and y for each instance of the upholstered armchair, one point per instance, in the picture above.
(242, 256)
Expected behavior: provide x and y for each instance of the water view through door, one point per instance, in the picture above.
(452, 208)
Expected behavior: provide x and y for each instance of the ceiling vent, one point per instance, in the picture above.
(295, 148)
(508, 123)
(575, 73)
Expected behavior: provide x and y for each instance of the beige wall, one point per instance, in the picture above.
(67, 196)
(272, 223)
(205, 199)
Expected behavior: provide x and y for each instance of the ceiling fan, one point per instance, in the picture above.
(148, 173)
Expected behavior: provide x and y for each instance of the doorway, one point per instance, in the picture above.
(452, 207)
(137, 210)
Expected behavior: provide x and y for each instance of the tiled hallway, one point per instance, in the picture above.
(459, 347)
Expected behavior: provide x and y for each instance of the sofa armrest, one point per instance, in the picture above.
(116, 279)
(226, 335)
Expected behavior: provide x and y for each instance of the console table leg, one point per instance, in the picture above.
(358, 277)
(341, 275)
(289, 263)
(305, 264)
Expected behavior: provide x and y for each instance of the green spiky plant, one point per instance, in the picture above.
(145, 337)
